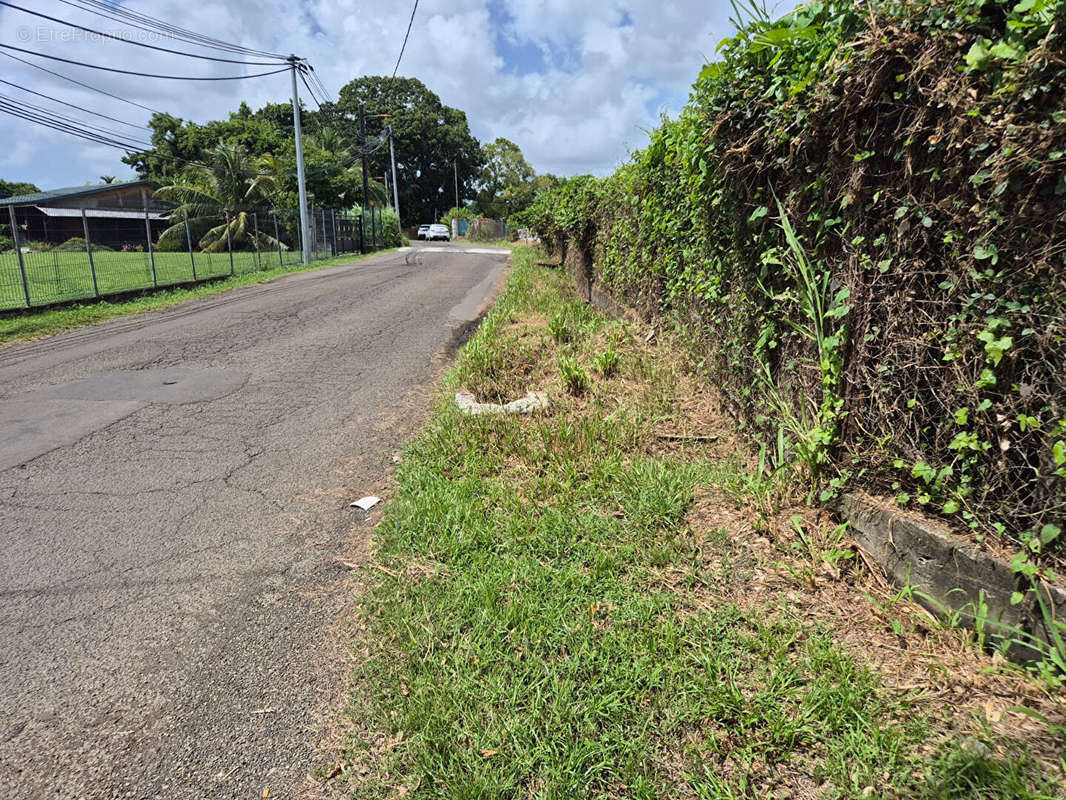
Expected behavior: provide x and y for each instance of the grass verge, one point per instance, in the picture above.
(34, 323)
(608, 600)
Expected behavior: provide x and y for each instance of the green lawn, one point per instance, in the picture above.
(55, 276)
(17, 325)
(607, 600)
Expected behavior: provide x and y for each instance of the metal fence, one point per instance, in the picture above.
(53, 254)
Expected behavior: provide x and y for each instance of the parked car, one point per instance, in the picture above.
(438, 232)
(423, 231)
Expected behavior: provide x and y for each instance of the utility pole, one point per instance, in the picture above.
(305, 244)
(395, 193)
(455, 171)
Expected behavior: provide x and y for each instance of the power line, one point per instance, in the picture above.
(73, 130)
(138, 125)
(23, 105)
(145, 74)
(310, 91)
(318, 81)
(404, 46)
(79, 83)
(130, 41)
(81, 130)
(151, 24)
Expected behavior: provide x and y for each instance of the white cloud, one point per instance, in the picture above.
(578, 107)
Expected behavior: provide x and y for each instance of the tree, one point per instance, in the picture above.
(176, 144)
(433, 146)
(14, 189)
(507, 180)
(433, 142)
(206, 195)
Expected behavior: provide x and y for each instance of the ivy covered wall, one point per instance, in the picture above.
(858, 222)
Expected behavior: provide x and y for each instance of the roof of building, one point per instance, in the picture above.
(72, 191)
(100, 213)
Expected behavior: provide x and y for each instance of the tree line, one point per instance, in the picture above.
(437, 157)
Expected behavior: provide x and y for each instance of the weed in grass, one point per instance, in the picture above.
(559, 329)
(607, 361)
(574, 377)
(499, 365)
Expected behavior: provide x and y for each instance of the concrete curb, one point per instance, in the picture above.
(949, 573)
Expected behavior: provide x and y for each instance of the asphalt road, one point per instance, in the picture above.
(174, 493)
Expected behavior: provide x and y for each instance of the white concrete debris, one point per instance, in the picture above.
(533, 401)
(366, 503)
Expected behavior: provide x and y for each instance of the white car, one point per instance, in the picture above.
(438, 232)
(423, 231)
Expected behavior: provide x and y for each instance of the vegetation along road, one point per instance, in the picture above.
(175, 496)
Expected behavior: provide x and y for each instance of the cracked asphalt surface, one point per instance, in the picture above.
(174, 491)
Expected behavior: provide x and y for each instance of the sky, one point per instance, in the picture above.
(577, 85)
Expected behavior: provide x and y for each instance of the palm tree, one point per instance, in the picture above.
(204, 194)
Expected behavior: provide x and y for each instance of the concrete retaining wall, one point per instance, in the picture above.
(948, 572)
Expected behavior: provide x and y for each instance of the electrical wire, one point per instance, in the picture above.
(145, 74)
(138, 44)
(307, 71)
(81, 130)
(79, 83)
(151, 24)
(16, 111)
(321, 84)
(72, 120)
(138, 125)
(318, 81)
(404, 46)
(129, 147)
(310, 91)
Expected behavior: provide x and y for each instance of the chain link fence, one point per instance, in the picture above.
(52, 254)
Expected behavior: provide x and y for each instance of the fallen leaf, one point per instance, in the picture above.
(488, 753)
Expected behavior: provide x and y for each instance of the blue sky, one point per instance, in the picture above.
(575, 85)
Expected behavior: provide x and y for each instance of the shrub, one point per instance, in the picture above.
(393, 236)
(76, 244)
(457, 213)
(174, 243)
(891, 305)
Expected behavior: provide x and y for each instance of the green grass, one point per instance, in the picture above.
(545, 625)
(57, 276)
(33, 323)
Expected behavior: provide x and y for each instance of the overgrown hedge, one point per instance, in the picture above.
(909, 338)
